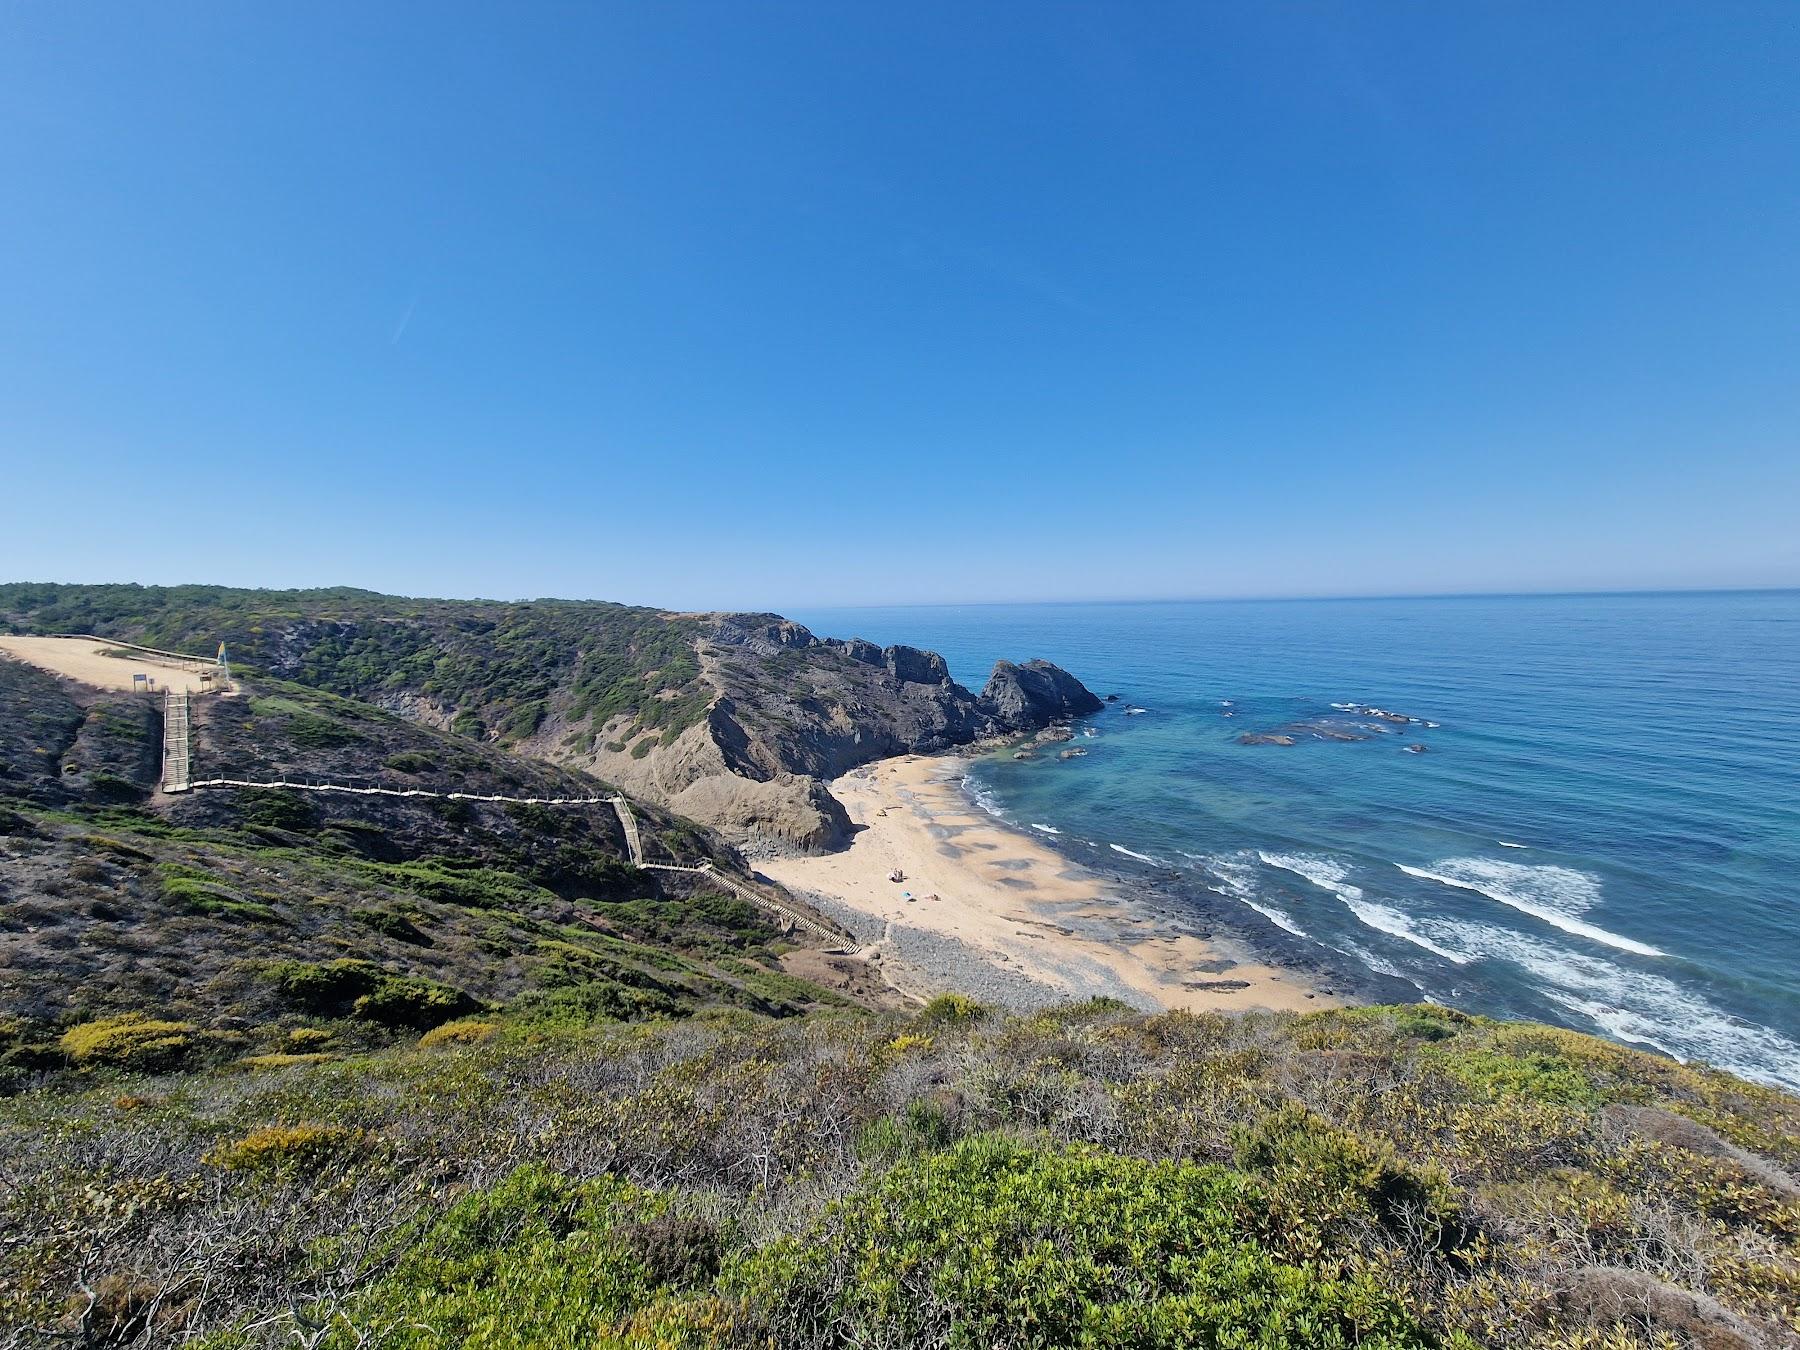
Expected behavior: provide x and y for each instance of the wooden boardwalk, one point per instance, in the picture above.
(175, 756)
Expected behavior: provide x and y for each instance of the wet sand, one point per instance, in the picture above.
(1035, 918)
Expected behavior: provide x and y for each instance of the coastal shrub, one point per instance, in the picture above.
(472, 887)
(537, 1260)
(1536, 1076)
(1325, 1182)
(116, 847)
(464, 1031)
(591, 1002)
(313, 732)
(524, 720)
(410, 761)
(133, 1042)
(952, 1007)
(289, 1148)
(411, 1001)
(1001, 1242)
(280, 1060)
(362, 989)
(393, 924)
(205, 898)
(325, 986)
(277, 808)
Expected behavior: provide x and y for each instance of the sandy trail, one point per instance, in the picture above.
(85, 660)
(1030, 910)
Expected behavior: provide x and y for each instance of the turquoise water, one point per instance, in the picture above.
(1603, 830)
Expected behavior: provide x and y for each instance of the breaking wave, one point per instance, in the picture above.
(1330, 874)
(1238, 880)
(1553, 894)
(1644, 1009)
(1141, 857)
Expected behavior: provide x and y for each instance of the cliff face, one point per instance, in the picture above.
(734, 720)
(791, 710)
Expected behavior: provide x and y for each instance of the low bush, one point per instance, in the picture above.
(1000, 1242)
(134, 1042)
(354, 988)
(289, 1148)
(465, 1031)
(952, 1008)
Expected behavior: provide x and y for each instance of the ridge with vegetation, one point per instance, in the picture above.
(734, 720)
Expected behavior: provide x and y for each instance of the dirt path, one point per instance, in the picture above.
(85, 660)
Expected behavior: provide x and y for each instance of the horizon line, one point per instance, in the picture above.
(1302, 598)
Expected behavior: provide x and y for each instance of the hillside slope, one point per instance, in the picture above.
(243, 909)
(1390, 1179)
(730, 719)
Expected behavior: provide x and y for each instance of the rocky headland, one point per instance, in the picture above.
(733, 720)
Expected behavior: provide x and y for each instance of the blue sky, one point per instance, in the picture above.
(781, 305)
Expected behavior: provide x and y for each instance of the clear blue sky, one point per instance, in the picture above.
(781, 305)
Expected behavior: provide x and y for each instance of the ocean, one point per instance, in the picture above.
(1601, 829)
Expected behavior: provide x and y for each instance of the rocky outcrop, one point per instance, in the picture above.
(791, 711)
(1027, 697)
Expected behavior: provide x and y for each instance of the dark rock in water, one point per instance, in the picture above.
(1025, 754)
(1076, 753)
(1035, 694)
(1112, 698)
(1417, 748)
(1264, 738)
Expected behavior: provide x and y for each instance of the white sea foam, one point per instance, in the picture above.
(982, 798)
(1141, 857)
(1047, 829)
(1326, 873)
(1395, 924)
(1506, 843)
(1238, 880)
(1375, 963)
(1330, 874)
(1554, 894)
(1641, 1008)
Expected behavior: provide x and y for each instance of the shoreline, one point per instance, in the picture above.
(1005, 917)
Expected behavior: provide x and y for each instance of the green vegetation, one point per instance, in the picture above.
(498, 667)
(1087, 1176)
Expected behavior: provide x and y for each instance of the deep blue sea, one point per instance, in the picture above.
(1603, 830)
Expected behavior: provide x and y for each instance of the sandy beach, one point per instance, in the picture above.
(992, 912)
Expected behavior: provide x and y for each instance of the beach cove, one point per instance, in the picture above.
(990, 911)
